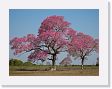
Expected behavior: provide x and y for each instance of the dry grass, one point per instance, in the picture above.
(61, 71)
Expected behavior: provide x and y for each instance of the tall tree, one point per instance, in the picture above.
(52, 39)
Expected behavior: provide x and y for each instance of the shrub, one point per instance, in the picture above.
(15, 62)
(28, 64)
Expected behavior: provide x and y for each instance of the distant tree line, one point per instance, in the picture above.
(17, 62)
(66, 61)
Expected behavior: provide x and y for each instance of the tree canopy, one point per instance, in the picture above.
(54, 36)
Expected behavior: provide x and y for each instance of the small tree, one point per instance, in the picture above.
(97, 62)
(66, 61)
(82, 45)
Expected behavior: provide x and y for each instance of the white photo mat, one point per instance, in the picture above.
(102, 79)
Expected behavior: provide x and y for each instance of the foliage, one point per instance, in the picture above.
(97, 62)
(15, 62)
(27, 64)
(66, 61)
(54, 36)
(82, 45)
(50, 41)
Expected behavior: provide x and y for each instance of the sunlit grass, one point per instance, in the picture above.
(61, 71)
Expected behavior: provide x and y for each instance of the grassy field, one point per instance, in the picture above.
(42, 70)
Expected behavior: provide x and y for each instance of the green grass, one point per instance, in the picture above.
(44, 70)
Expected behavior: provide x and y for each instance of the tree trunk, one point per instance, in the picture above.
(53, 62)
(82, 63)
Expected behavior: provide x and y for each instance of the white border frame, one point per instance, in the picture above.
(102, 79)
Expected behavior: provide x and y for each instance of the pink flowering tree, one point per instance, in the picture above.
(51, 39)
(66, 61)
(82, 45)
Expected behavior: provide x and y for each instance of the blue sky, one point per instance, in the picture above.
(25, 21)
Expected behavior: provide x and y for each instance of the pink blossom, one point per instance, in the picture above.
(54, 36)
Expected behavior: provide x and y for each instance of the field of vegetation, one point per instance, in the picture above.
(45, 70)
